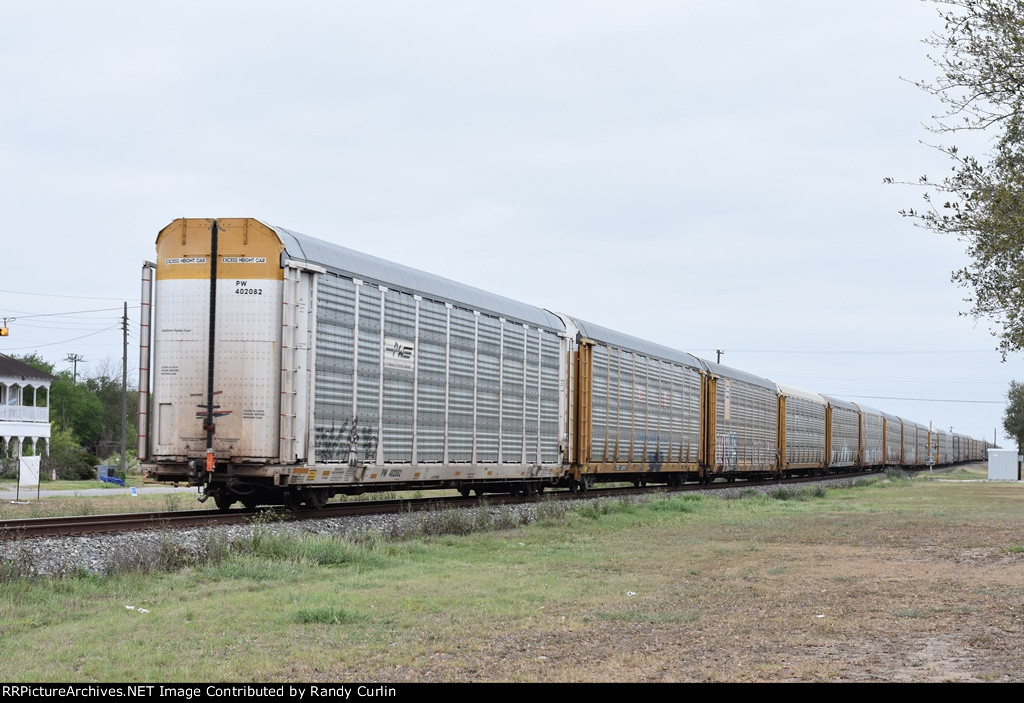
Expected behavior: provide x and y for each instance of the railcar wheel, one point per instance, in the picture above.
(292, 500)
(586, 482)
(250, 502)
(464, 491)
(316, 498)
(223, 501)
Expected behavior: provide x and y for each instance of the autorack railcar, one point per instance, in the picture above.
(842, 434)
(740, 417)
(802, 430)
(871, 438)
(277, 367)
(636, 409)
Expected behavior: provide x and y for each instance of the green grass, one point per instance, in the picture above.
(446, 602)
(78, 485)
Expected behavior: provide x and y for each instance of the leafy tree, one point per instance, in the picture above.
(90, 410)
(36, 362)
(1013, 420)
(107, 392)
(981, 88)
(67, 458)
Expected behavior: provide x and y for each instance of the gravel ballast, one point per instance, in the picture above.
(108, 553)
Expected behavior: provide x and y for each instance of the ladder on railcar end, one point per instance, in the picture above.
(708, 427)
(584, 392)
(145, 339)
(289, 361)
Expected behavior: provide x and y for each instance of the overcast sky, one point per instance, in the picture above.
(703, 175)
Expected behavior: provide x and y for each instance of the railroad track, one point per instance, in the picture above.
(125, 522)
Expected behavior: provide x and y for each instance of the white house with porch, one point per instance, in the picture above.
(24, 408)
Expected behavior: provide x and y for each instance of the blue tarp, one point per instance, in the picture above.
(112, 479)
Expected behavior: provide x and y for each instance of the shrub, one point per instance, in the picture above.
(66, 457)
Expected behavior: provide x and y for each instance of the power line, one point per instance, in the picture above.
(22, 316)
(864, 351)
(55, 295)
(51, 344)
(891, 380)
(923, 400)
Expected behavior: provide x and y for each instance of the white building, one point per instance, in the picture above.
(24, 408)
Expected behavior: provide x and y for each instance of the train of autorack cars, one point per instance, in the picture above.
(277, 368)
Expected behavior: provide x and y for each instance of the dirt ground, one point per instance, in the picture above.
(929, 592)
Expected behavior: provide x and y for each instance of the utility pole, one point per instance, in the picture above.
(719, 359)
(74, 359)
(124, 393)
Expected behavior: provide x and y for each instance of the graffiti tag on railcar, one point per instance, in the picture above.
(654, 461)
(340, 442)
(730, 452)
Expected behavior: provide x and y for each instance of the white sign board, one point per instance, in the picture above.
(29, 474)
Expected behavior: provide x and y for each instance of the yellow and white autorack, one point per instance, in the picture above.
(279, 368)
(324, 370)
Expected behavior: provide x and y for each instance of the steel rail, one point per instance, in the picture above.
(28, 528)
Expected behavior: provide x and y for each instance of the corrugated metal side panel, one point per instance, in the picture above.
(334, 367)
(644, 410)
(488, 390)
(921, 450)
(910, 443)
(348, 371)
(600, 410)
(397, 406)
(687, 403)
(460, 386)
(550, 396)
(434, 382)
(627, 410)
(745, 431)
(871, 438)
(531, 397)
(512, 389)
(430, 368)
(893, 440)
(368, 374)
(845, 436)
(805, 430)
